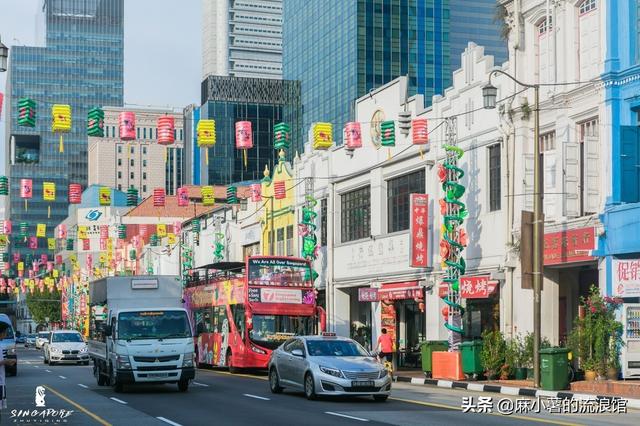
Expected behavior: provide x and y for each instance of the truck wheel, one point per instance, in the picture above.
(101, 378)
(117, 386)
(183, 385)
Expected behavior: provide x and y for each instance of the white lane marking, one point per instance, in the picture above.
(168, 421)
(48, 371)
(41, 357)
(36, 366)
(118, 400)
(200, 384)
(62, 377)
(331, 413)
(83, 386)
(256, 397)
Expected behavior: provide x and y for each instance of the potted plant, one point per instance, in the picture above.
(520, 357)
(589, 366)
(492, 353)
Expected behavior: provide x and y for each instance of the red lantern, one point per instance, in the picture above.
(58, 260)
(158, 197)
(445, 312)
(279, 190)
(75, 193)
(104, 232)
(166, 130)
(256, 192)
(127, 124)
(420, 131)
(353, 135)
(86, 244)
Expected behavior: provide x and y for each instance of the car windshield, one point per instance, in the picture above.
(153, 325)
(335, 348)
(66, 337)
(271, 330)
(43, 335)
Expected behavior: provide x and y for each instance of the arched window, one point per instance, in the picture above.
(543, 30)
(587, 6)
(588, 40)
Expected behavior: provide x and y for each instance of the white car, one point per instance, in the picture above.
(65, 346)
(41, 338)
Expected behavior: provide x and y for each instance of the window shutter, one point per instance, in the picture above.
(591, 175)
(629, 184)
(528, 182)
(571, 173)
(551, 198)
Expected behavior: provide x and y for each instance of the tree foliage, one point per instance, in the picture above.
(45, 304)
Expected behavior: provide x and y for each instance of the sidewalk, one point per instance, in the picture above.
(579, 390)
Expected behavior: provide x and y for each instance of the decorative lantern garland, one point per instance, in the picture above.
(218, 252)
(353, 135)
(26, 112)
(4, 185)
(95, 122)
(75, 193)
(206, 132)
(244, 138)
(132, 197)
(453, 240)
(307, 229)
(281, 136)
(232, 195)
(208, 198)
(322, 136)
(61, 121)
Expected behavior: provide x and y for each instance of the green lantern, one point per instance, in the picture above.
(122, 232)
(95, 122)
(153, 240)
(195, 226)
(4, 185)
(388, 133)
(232, 195)
(133, 254)
(69, 244)
(132, 197)
(281, 136)
(24, 229)
(27, 112)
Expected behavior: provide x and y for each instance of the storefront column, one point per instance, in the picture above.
(433, 312)
(342, 316)
(550, 305)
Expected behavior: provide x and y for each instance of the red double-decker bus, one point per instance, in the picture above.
(242, 311)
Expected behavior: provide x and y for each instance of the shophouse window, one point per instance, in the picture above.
(290, 240)
(494, 178)
(548, 141)
(398, 191)
(356, 214)
(280, 242)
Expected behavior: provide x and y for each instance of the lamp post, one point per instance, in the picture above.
(4, 54)
(489, 94)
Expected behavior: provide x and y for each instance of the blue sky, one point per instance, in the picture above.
(162, 56)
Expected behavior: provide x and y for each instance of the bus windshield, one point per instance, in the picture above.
(274, 271)
(153, 325)
(270, 331)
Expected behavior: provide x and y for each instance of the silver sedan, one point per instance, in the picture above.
(327, 365)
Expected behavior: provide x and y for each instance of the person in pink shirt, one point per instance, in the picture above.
(385, 346)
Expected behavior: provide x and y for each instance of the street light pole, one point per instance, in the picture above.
(489, 93)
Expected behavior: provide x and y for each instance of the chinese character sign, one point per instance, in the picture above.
(626, 277)
(474, 287)
(419, 230)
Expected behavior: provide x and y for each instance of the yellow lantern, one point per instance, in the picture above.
(41, 230)
(51, 243)
(171, 238)
(322, 135)
(206, 132)
(105, 196)
(61, 121)
(82, 233)
(161, 230)
(208, 198)
(48, 194)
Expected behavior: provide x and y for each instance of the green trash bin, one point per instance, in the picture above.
(471, 363)
(554, 364)
(427, 348)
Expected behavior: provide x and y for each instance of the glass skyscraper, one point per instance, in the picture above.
(340, 50)
(81, 65)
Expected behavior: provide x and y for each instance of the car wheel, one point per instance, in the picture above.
(183, 385)
(85, 363)
(309, 387)
(380, 398)
(13, 371)
(274, 381)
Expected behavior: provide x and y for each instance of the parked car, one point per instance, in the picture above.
(41, 337)
(8, 346)
(327, 365)
(65, 346)
(30, 341)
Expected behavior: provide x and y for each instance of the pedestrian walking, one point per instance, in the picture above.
(385, 346)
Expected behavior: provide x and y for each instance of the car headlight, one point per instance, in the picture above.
(123, 362)
(383, 373)
(83, 350)
(54, 349)
(332, 372)
(189, 359)
(11, 351)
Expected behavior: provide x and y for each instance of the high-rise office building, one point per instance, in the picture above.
(242, 38)
(81, 65)
(476, 21)
(263, 102)
(340, 50)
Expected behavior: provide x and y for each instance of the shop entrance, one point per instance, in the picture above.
(574, 284)
(404, 320)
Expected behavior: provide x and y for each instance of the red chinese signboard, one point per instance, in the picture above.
(569, 246)
(419, 230)
(368, 294)
(478, 287)
(398, 291)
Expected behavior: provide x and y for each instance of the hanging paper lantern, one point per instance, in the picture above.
(127, 124)
(388, 129)
(104, 231)
(244, 138)
(420, 131)
(75, 193)
(183, 196)
(103, 244)
(58, 259)
(4, 185)
(153, 241)
(279, 190)
(206, 136)
(143, 231)
(132, 197)
(33, 243)
(132, 254)
(24, 229)
(26, 112)
(232, 195)
(208, 198)
(122, 232)
(161, 230)
(86, 244)
(256, 192)
(159, 197)
(95, 122)
(104, 195)
(26, 190)
(322, 135)
(1, 101)
(62, 231)
(195, 225)
(16, 257)
(6, 227)
(41, 230)
(166, 130)
(61, 121)
(49, 194)
(281, 136)
(353, 135)
(177, 227)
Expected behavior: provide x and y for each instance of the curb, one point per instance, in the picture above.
(513, 391)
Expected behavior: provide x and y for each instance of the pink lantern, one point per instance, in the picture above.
(143, 231)
(103, 244)
(183, 196)
(420, 131)
(62, 231)
(353, 135)
(44, 258)
(256, 192)
(26, 188)
(127, 122)
(6, 227)
(158, 197)
(104, 232)
(86, 244)
(16, 257)
(58, 260)
(279, 190)
(33, 243)
(166, 130)
(244, 135)
(75, 193)
(49, 266)
(177, 226)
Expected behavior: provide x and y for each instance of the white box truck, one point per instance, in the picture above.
(140, 332)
